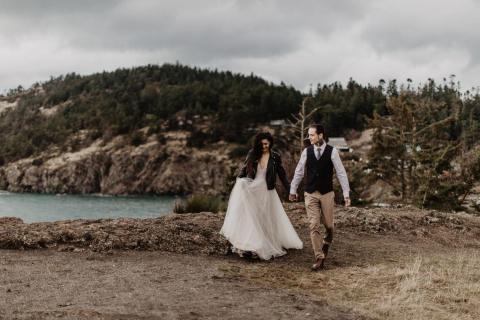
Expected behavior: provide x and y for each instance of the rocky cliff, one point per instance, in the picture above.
(157, 166)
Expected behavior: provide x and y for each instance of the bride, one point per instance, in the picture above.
(256, 223)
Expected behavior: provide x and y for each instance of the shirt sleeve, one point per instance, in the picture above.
(299, 172)
(341, 173)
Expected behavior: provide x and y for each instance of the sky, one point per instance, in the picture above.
(302, 43)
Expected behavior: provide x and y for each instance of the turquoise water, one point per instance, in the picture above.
(42, 207)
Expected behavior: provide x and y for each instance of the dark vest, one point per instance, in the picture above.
(319, 172)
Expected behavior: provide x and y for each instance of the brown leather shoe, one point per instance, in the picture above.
(318, 265)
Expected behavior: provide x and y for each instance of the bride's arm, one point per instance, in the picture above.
(243, 170)
(281, 172)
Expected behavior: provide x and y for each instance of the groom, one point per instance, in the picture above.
(319, 159)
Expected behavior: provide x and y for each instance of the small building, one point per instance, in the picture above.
(340, 143)
(278, 122)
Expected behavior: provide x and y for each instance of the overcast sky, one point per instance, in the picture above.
(298, 42)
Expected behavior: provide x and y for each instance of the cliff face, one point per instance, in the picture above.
(116, 168)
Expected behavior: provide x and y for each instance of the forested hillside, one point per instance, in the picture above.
(177, 129)
(214, 105)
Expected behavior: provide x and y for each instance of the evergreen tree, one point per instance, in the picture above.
(414, 149)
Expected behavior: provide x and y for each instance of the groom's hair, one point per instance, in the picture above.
(318, 127)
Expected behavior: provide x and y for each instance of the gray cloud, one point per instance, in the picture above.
(190, 28)
(412, 25)
(299, 42)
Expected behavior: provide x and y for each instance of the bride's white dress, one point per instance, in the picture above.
(256, 221)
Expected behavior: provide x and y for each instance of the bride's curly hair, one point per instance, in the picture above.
(257, 144)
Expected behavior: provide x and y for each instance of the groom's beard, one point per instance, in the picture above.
(319, 143)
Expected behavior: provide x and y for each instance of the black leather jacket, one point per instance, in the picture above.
(274, 167)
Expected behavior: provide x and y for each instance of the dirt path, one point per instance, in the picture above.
(142, 285)
(413, 270)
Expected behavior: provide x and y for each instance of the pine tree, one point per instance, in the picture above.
(414, 148)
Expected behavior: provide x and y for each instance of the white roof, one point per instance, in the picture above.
(338, 142)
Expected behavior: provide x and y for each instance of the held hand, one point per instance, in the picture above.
(347, 202)
(292, 197)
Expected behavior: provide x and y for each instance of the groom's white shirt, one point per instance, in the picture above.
(337, 163)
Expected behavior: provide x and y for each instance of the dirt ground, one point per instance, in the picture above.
(419, 272)
(141, 285)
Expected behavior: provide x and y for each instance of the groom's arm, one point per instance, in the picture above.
(299, 172)
(341, 175)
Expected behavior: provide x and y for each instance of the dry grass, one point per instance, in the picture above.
(436, 287)
(433, 286)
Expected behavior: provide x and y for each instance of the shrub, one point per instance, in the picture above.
(37, 162)
(161, 138)
(137, 138)
(198, 139)
(239, 152)
(200, 203)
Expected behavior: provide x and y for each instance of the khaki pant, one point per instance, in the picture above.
(320, 211)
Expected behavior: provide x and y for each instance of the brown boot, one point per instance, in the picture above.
(325, 248)
(318, 265)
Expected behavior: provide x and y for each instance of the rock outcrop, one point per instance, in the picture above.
(199, 232)
(116, 168)
(186, 233)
